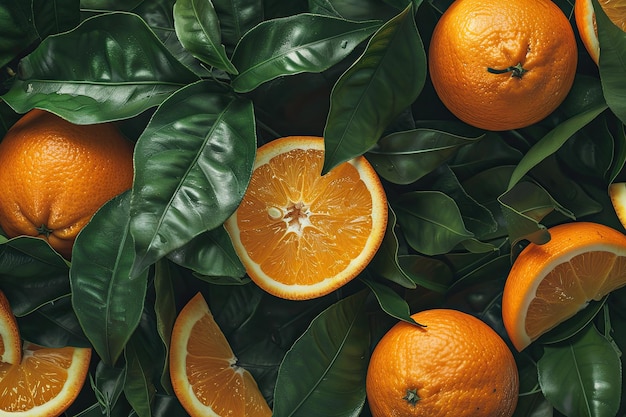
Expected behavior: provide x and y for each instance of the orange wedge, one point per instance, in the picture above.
(302, 235)
(10, 342)
(550, 283)
(206, 377)
(617, 194)
(586, 22)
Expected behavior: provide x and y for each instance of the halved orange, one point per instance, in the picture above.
(586, 22)
(617, 194)
(205, 374)
(10, 341)
(550, 283)
(299, 234)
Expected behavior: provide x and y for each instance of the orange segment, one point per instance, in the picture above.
(45, 383)
(10, 342)
(550, 283)
(586, 22)
(301, 235)
(205, 375)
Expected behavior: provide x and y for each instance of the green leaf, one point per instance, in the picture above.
(138, 389)
(192, 166)
(295, 44)
(165, 311)
(198, 29)
(110, 67)
(582, 377)
(108, 303)
(210, 253)
(405, 157)
(108, 386)
(551, 142)
(236, 18)
(55, 16)
(427, 272)
(17, 29)
(324, 372)
(390, 301)
(373, 92)
(612, 62)
(431, 221)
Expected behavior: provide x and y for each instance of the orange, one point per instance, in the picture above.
(454, 366)
(302, 235)
(586, 22)
(10, 342)
(205, 374)
(550, 283)
(42, 382)
(55, 175)
(501, 65)
(617, 194)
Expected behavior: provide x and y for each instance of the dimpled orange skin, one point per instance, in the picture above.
(456, 366)
(56, 175)
(473, 35)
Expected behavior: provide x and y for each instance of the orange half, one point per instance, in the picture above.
(586, 22)
(299, 234)
(206, 377)
(550, 283)
(10, 342)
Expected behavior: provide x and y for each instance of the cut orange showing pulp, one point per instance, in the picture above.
(206, 377)
(586, 22)
(41, 382)
(299, 234)
(550, 283)
(10, 341)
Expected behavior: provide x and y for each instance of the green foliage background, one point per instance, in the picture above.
(199, 85)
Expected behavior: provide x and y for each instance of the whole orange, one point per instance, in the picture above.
(454, 366)
(501, 65)
(56, 175)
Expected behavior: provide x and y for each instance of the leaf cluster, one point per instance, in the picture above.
(198, 85)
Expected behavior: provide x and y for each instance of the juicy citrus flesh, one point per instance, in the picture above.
(550, 283)
(476, 42)
(302, 235)
(586, 22)
(45, 383)
(56, 175)
(204, 371)
(10, 341)
(617, 195)
(454, 366)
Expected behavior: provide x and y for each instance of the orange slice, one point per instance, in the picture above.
(617, 194)
(10, 342)
(205, 375)
(299, 234)
(586, 22)
(550, 283)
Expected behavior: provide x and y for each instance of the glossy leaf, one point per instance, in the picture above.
(210, 253)
(551, 142)
(390, 301)
(17, 29)
(612, 62)
(108, 386)
(431, 222)
(405, 157)
(357, 116)
(165, 311)
(427, 272)
(582, 377)
(198, 29)
(192, 164)
(295, 44)
(110, 67)
(55, 16)
(237, 17)
(138, 388)
(108, 303)
(324, 371)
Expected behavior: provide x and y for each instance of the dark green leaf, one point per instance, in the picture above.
(192, 165)
(17, 29)
(198, 30)
(110, 67)
(107, 301)
(295, 44)
(390, 301)
(236, 18)
(324, 372)
(210, 253)
(55, 16)
(373, 92)
(405, 157)
(165, 311)
(427, 272)
(108, 385)
(582, 377)
(551, 142)
(138, 387)
(431, 221)
(612, 61)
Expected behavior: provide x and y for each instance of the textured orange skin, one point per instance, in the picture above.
(473, 35)
(564, 239)
(458, 366)
(57, 175)
(586, 22)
